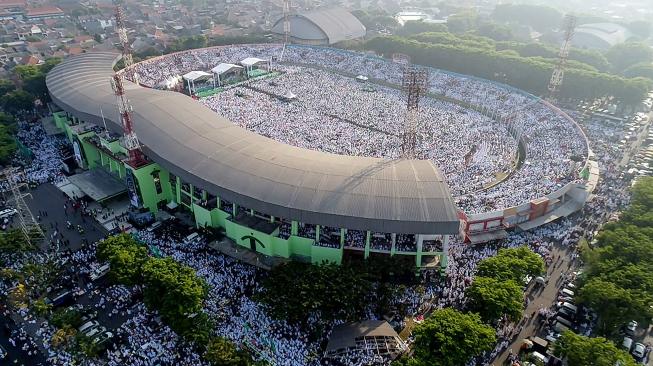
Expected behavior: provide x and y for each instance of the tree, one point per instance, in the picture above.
(17, 101)
(642, 69)
(294, 290)
(418, 26)
(579, 350)
(512, 264)
(6, 86)
(450, 338)
(172, 288)
(497, 32)
(493, 299)
(222, 352)
(125, 256)
(624, 55)
(7, 149)
(541, 18)
(614, 305)
(13, 241)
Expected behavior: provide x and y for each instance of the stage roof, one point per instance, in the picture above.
(252, 61)
(196, 75)
(210, 152)
(344, 336)
(98, 184)
(222, 68)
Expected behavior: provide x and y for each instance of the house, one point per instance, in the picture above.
(30, 60)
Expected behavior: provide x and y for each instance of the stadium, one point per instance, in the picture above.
(296, 151)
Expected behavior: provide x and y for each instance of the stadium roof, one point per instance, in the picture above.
(333, 24)
(600, 35)
(208, 151)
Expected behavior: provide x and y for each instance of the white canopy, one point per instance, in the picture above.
(223, 67)
(252, 61)
(196, 75)
(361, 78)
(289, 95)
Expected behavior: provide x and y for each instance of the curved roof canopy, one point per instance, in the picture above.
(332, 24)
(208, 151)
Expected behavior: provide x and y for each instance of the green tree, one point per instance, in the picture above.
(6, 86)
(294, 290)
(13, 241)
(541, 18)
(624, 55)
(417, 26)
(7, 149)
(579, 350)
(222, 352)
(125, 256)
(512, 264)
(497, 32)
(172, 288)
(450, 338)
(17, 101)
(614, 305)
(643, 69)
(493, 299)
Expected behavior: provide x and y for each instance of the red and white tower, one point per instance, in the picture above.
(130, 140)
(559, 69)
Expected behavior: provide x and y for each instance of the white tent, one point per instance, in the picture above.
(252, 62)
(222, 69)
(290, 95)
(193, 77)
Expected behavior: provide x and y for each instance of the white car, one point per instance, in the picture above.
(639, 351)
(8, 212)
(631, 327)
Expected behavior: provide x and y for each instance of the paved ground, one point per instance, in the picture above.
(542, 297)
(48, 200)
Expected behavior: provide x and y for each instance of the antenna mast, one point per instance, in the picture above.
(414, 82)
(121, 29)
(136, 157)
(569, 25)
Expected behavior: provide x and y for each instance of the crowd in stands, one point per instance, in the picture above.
(471, 133)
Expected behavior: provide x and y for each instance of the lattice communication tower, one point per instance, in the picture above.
(121, 29)
(136, 157)
(557, 77)
(28, 225)
(414, 82)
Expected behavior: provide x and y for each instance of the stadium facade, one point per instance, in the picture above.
(250, 185)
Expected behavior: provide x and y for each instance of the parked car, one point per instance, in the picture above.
(8, 212)
(631, 327)
(639, 351)
(100, 272)
(84, 328)
(95, 331)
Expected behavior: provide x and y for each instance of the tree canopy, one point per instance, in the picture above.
(125, 256)
(624, 55)
(493, 298)
(541, 18)
(618, 280)
(579, 350)
(222, 352)
(512, 264)
(450, 338)
(531, 74)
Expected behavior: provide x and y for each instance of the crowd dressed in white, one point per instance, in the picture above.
(475, 146)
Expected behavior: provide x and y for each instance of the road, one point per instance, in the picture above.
(540, 298)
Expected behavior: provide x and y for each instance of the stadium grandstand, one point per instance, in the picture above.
(319, 176)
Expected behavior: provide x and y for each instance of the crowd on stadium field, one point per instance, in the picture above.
(475, 147)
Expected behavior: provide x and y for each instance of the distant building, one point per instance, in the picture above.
(600, 35)
(322, 27)
(45, 12)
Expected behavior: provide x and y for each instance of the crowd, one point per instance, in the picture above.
(475, 147)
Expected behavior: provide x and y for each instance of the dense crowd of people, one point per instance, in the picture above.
(475, 147)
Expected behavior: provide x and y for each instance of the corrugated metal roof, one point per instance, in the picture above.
(336, 23)
(210, 152)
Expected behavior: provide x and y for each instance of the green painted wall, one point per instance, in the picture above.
(323, 254)
(149, 195)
